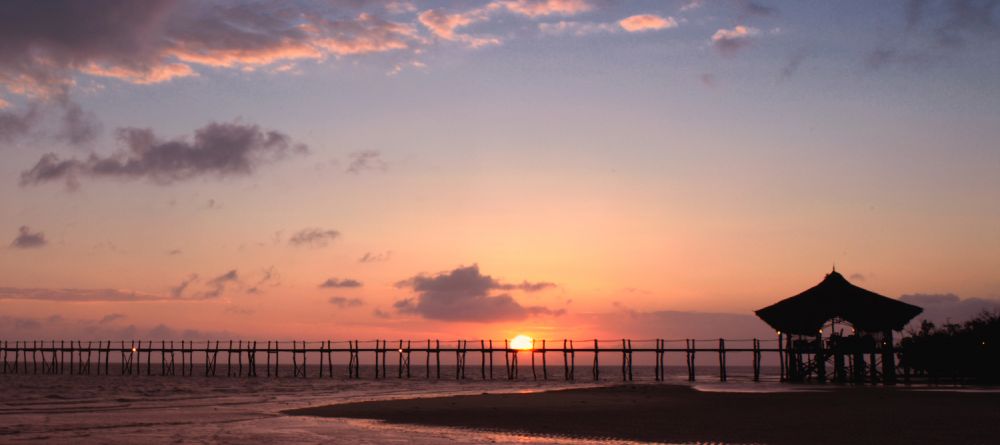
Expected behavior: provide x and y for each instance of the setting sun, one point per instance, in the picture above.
(521, 342)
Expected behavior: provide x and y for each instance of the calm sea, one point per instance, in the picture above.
(174, 409)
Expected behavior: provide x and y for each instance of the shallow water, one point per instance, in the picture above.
(173, 409)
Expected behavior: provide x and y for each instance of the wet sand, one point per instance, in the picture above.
(671, 413)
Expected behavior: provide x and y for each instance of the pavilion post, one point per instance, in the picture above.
(820, 359)
(888, 358)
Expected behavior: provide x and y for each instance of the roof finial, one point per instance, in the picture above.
(835, 267)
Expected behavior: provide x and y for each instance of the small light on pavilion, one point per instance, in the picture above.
(133, 349)
(400, 350)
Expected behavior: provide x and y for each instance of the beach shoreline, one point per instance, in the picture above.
(679, 413)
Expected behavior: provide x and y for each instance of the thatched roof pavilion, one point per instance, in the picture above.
(835, 297)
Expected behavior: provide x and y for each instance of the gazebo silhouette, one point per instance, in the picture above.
(801, 320)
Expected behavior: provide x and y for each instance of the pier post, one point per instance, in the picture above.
(722, 360)
(628, 356)
(491, 359)
(545, 367)
(690, 351)
(565, 361)
(482, 353)
(427, 362)
(252, 360)
(107, 358)
(506, 359)
(597, 364)
(534, 376)
(329, 357)
(572, 361)
(756, 360)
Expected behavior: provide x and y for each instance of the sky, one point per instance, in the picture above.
(482, 169)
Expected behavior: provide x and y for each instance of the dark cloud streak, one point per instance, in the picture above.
(313, 237)
(220, 149)
(26, 239)
(345, 283)
(464, 294)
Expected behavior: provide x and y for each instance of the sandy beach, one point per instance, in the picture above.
(675, 413)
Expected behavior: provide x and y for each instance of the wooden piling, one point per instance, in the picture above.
(545, 367)
(329, 357)
(572, 360)
(597, 365)
(722, 360)
(482, 350)
(690, 352)
(534, 376)
(506, 359)
(756, 360)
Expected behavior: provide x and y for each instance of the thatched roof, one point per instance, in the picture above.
(867, 311)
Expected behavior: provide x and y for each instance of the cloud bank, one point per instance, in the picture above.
(345, 283)
(217, 149)
(464, 294)
(26, 239)
(313, 237)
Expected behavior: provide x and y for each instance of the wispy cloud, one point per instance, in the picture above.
(370, 257)
(574, 28)
(361, 161)
(730, 41)
(220, 149)
(178, 290)
(75, 295)
(340, 283)
(444, 25)
(344, 302)
(935, 30)
(313, 237)
(646, 22)
(541, 8)
(266, 278)
(46, 46)
(217, 285)
(26, 239)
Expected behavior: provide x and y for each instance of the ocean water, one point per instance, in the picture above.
(175, 409)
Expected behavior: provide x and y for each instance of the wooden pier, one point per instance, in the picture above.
(240, 357)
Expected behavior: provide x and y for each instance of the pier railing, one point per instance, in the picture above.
(252, 358)
(243, 358)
